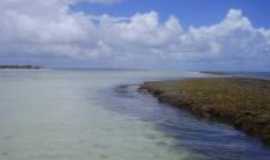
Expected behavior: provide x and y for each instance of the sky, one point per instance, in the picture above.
(152, 34)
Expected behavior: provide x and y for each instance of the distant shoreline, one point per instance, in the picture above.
(241, 102)
(214, 72)
(20, 67)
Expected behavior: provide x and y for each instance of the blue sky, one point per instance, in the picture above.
(186, 34)
(190, 12)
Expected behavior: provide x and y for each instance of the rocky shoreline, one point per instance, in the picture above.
(241, 102)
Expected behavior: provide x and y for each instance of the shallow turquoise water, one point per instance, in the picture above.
(61, 115)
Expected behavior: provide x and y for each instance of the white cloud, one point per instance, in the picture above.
(36, 27)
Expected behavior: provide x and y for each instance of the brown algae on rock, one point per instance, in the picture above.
(242, 102)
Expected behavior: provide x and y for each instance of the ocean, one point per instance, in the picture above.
(99, 114)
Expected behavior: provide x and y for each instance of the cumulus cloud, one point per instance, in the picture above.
(51, 28)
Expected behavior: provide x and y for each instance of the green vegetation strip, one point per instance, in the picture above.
(242, 102)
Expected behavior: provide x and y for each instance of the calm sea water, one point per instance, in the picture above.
(82, 115)
(261, 75)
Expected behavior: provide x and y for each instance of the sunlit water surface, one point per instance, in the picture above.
(83, 115)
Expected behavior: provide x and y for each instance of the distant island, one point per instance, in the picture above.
(214, 72)
(241, 102)
(20, 67)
